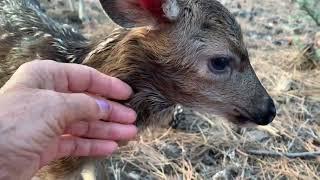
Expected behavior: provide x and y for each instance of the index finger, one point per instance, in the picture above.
(76, 78)
(87, 79)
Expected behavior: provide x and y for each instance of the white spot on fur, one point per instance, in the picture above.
(4, 36)
(171, 9)
(39, 33)
(24, 29)
(46, 35)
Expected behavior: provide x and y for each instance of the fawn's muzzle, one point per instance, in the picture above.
(266, 113)
(260, 114)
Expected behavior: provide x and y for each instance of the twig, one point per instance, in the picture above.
(302, 155)
(298, 132)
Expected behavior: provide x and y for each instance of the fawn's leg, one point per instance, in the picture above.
(178, 116)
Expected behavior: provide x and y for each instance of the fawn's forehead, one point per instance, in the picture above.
(215, 24)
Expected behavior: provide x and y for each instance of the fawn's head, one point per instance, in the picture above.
(196, 57)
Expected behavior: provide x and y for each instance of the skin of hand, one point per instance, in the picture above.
(50, 110)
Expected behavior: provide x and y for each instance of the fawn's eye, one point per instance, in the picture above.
(219, 64)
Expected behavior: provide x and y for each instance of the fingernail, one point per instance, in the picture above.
(103, 105)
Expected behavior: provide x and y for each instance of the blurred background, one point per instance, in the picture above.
(283, 38)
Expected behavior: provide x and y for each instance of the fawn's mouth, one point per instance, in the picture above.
(240, 117)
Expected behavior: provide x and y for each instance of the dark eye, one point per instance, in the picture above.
(219, 64)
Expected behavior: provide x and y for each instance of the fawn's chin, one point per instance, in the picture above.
(242, 121)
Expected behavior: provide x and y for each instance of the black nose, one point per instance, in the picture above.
(267, 113)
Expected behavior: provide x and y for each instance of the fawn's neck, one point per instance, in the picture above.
(126, 55)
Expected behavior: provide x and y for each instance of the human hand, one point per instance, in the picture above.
(50, 110)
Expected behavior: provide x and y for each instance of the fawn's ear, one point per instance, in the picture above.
(134, 13)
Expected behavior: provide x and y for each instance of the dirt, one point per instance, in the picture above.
(283, 42)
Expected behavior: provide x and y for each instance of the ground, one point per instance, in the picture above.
(283, 40)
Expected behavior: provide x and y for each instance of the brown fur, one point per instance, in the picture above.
(166, 65)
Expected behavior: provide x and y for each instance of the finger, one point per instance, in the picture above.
(75, 146)
(121, 114)
(86, 79)
(79, 106)
(76, 107)
(102, 130)
(65, 77)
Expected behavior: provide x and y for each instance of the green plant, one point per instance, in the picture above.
(312, 8)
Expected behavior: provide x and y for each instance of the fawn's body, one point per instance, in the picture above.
(181, 52)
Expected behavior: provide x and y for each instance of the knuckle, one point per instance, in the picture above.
(108, 130)
(89, 129)
(34, 65)
(31, 64)
(58, 106)
(92, 107)
(27, 66)
(60, 100)
(81, 104)
(64, 108)
(93, 148)
(112, 131)
(75, 146)
(73, 107)
(112, 81)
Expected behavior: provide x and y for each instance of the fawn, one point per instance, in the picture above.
(188, 52)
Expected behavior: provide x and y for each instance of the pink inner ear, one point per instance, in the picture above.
(154, 7)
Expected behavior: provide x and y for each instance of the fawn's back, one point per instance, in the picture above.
(26, 33)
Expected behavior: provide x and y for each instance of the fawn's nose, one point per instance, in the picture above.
(267, 113)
